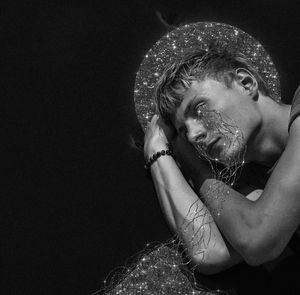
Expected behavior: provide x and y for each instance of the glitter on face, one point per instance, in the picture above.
(218, 126)
(200, 35)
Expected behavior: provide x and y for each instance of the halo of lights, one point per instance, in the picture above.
(200, 34)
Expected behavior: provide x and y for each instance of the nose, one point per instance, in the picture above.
(195, 131)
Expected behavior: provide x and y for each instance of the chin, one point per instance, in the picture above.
(232, 157)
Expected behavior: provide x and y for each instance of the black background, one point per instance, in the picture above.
(75, 202)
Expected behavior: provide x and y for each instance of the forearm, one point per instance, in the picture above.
(184, 211)
(240, 220)
(189, 218)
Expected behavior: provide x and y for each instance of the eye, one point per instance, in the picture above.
(200, 108)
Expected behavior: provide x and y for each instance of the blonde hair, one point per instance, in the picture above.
(217, 63)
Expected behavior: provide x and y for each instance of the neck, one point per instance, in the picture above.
(272, 136)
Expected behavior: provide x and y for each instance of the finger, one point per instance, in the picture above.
(154, 118)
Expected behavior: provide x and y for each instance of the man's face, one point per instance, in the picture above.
(217, 120)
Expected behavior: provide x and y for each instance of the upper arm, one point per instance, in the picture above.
(230, 257)
(278, 209)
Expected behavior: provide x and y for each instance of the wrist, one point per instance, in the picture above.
(152, 148)
(155, 156)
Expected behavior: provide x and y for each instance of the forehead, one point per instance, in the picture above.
(208, 90)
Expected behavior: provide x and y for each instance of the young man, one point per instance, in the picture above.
(214, 103)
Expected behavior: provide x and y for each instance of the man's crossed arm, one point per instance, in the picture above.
(257, 229)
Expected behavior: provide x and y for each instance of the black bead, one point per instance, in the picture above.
(154, 157)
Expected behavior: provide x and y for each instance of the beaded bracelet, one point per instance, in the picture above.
(155, 156)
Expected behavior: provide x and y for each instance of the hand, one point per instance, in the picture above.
(157, 137)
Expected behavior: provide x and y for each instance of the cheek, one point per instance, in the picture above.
(231, 126)
(237, 117)
(225, 123)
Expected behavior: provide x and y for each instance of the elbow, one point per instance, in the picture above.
(257, 257)
(256, 252)
(210, 261)
(257, 243)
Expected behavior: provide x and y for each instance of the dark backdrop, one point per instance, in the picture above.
(75, 202)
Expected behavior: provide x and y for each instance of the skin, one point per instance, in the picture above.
(257, 228)
(254, 117)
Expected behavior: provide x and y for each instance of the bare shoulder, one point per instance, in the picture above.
(278, 208)
(295, 130)
(289, 168)
(280, 200)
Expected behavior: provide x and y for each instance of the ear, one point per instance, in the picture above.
(246, 80)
